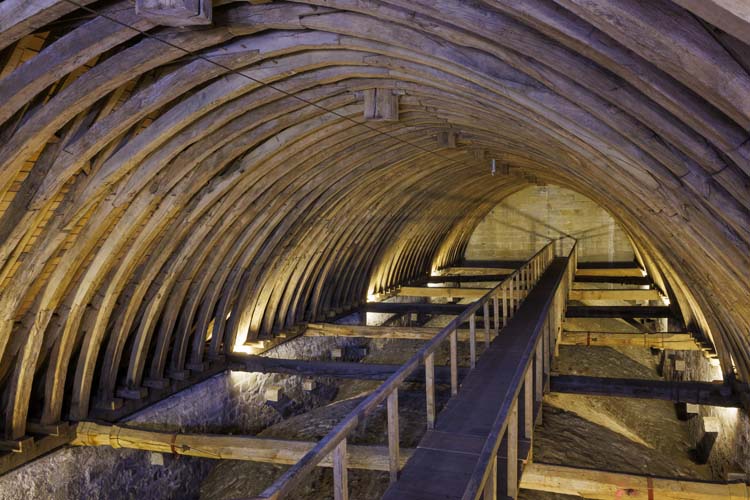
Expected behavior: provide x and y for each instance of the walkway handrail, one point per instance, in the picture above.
(482, 481)
(521, 280)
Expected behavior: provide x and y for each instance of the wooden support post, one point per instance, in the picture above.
(393, 435)
(490, 487)
(429, 383)
(546, 357)
(473, 341)
(340, 480)
(505, 305)
(512, 437)
(539, 384)
(454, 362)
(496, 313)
(486, 321)
(528, 409)
(511, 285)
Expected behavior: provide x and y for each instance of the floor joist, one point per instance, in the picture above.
(621, 294)
(619, 272)
(660, 340)
(448, 292)
(622, 280)
(703, 393)
(335, 369)
(382, 332)
(618, 312)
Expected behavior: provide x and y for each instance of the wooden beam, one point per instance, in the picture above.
(622, 294)
(622, 280)
(604, 485)
(463, 278)
(613, 271)
(336, 369)
(442, 291)
(661, 340)
(731, 16)
(273, 451)
(175, 12)
(379, 332)
(618, 312)
(479, 270)
(404, 308)
(704, 393)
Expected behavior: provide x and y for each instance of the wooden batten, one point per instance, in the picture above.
(381, 105)
(175, 12)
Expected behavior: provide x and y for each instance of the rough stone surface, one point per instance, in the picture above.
(526, 221)
(731, 451)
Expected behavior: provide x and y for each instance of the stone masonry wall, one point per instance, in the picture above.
(526, 221)
(731, 450)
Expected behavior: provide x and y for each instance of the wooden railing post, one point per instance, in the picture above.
(539, 367)
(512, 296)
(490, 487)
(496, 313)
(512, 436)
(454, 362)
(473, 340)
(393, 435)
(486, 317)
(528, 409)
(340, 480)
(505, 306)
(429, 384)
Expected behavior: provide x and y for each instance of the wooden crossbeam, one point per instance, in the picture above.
(622, 280)
(479, 270)
(622, 294)
(621, 271)
(273, 451)
(618, 312)
(603, 485)
(378, 332)
(661, 340)
(703, 393)
(463, 278)
(448, 292)
(336, 369)
(404, 308)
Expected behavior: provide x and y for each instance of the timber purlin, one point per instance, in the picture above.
(438, 467)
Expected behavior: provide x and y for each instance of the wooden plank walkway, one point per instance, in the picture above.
(446, 456)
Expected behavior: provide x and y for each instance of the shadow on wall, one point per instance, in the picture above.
(525, 221)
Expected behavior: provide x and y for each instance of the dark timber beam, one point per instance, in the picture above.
(618, 312)
(405, 308)
(335, 369)
(703, 393)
